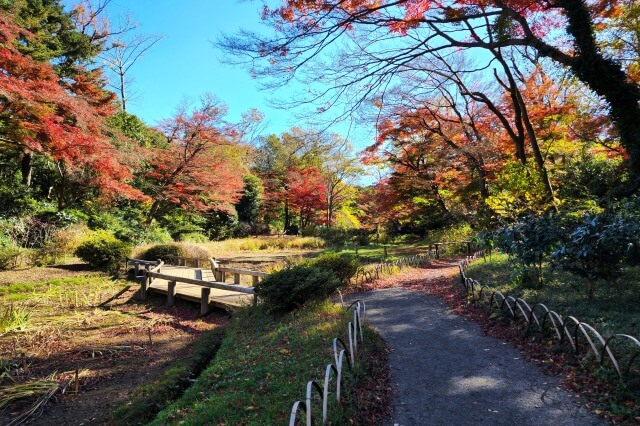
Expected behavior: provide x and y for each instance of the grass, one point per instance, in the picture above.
(375, 252)
(65, 293)
(14, 319)
(265, 244)
(262, 367)
(614, 309)
(150, 398)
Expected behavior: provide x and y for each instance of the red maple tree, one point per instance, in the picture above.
(61, 119)
(197, 171)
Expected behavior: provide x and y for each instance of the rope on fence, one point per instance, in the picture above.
(568, 329)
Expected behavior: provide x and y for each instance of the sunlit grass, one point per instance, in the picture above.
(261, 368)
(14, 318)
(264, 244)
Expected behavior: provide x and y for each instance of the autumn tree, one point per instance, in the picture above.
(62, 121)
(276, 156)
(305, 194)
(199, 170)
(339, 174)
(373, 43)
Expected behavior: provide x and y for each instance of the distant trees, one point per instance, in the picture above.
(306, 175)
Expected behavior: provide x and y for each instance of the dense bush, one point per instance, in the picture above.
(597, 248)
(528, 243)
(343, 265)
(104, 252)
(161, 251)
(165, 251)
(289, 289)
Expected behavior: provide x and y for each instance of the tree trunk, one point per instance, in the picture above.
(152, 213)
(123, 98)
(26, 167)
(287, 218)
(61, 190)
(605, 77)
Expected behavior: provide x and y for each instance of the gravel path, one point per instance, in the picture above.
(445, 372)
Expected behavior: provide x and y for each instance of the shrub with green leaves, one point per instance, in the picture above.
(528, 243)
(343, 265)
(104, 252)
(167, 251)
(597, 248)
(289, 289)
(161, 251)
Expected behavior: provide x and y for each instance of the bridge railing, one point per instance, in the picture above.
(205, 290)
(149, 271)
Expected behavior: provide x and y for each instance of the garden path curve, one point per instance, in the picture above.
(444, 371)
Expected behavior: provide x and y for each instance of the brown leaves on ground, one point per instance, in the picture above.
(374, 393)
(116, 347)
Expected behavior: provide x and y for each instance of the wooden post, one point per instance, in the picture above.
(144, 286)
(205, 292)
(255, 280)
(236, 278)
(136, 269)
(223, 276)
(437, 251)
(385, 252)
(356, 248)
(469, 248)
(255, 298)
(197, 263)
(171, 293)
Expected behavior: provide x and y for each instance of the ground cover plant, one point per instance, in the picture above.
(613, 309)
(87, 321)
(261, 370)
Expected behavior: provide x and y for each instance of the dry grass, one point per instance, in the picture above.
(269, 244)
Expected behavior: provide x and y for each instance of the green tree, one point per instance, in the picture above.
(248, 207)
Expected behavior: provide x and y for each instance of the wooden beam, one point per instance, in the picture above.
(236, 278)
(211, 284)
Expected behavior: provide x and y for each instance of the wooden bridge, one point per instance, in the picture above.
(207, 286)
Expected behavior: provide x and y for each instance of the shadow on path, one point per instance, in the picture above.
(445, 372)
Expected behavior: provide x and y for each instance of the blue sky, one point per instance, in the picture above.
(185, 64)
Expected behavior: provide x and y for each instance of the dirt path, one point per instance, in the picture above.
(444, 371)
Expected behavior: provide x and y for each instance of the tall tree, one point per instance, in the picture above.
(121, 55)
(198, 171)
(64, 122)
